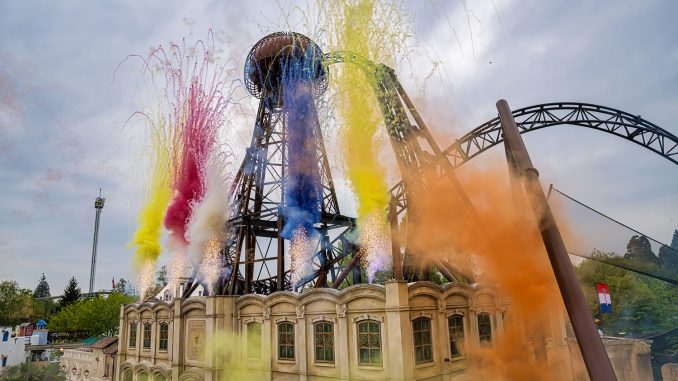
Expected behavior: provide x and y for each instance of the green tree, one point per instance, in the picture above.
(71, 293)
(640, 304)
(669, 254)
(639, 249)
(43, 307)
(42, 289)
(99, 315)
(123, 286)
(16, 304)
(160, 283)
(33, 372)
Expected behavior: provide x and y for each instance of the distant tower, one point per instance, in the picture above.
(98, 205)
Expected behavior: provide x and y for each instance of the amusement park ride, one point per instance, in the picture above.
(254, 253)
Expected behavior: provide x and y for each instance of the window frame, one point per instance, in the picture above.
(424, 333)
(132, 335)
(147, 326)
(324, 346)
(369, 334)
(456, 340)
(484, 338)
(287, 334)
(163, 324)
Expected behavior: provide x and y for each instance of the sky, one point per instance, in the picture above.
(67, 93)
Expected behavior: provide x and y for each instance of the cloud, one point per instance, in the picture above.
(57, 90)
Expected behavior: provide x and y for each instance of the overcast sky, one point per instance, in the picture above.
(63, 112)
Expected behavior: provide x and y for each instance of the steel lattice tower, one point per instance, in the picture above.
(255, 251)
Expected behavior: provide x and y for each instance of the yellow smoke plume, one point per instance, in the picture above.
(362, 27)
(146, 240)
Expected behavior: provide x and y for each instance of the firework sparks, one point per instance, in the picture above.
(302, 248)
(145, 277)
(376, 244)
(211, 263)
(176, 269)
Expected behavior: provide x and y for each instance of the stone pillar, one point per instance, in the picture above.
(209, 357)
(154, 337)
(442, 351)
(473, 324)
(177, 339)
(341, 341)
(268, 352)
(398, 363)
(303, 358)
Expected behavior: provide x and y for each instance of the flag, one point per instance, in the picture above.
(604, 298)
(113, 282)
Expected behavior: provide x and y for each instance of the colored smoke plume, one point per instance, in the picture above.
(198, 99)
(209, 215)
(370, 28)
(303, 195)
(146, 240)
(503, 246)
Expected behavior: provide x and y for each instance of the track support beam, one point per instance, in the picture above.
(593, 352)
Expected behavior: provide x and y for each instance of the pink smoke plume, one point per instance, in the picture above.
(198, 101)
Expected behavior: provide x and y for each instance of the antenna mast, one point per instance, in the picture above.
(98, 205)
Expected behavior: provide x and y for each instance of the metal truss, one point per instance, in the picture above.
(255, 251)
(616, 122)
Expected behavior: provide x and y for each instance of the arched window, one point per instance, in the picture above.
(127, 375)
(163, 336)
(143, 376)
(5, 335)
(286, 341)
(254, 340)
(159, 377)
(456, 327)
(484, 328)
(423, 350)
(147, 335)
(324, 341)
(369, 343)
(132, 335)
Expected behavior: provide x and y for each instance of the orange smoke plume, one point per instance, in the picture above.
(500, 243)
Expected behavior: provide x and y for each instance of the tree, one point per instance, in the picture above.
(98, 315)
(42, 290)
(639, 249)
(123, 286)
(33, 372)
(160, 282)
(71, 293)
(640, 304)
(16, 304)
(44, 307)
(669, 254)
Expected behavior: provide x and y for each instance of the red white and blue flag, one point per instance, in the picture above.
(604, 298)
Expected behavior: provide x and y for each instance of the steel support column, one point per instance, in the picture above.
(593, 352)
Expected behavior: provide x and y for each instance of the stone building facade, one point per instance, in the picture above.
(364, 332)
(398, 331)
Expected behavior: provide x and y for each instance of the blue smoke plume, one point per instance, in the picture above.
(303, 193)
